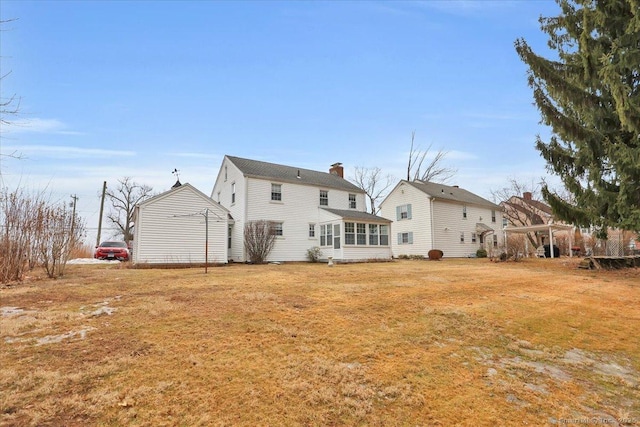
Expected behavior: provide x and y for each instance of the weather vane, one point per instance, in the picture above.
(176, 172)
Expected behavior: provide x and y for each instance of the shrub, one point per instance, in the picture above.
(314, 254)
(481, 253)
(259, 238)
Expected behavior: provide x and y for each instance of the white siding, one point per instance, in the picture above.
(237, 209)
(449, 223)
(167, 231)
(299, 207)
(419, 224)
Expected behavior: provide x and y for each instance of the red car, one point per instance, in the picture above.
(112, 250)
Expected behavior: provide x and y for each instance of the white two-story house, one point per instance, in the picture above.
(429, 216)
(308, 209)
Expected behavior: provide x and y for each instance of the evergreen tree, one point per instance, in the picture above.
(590, 97)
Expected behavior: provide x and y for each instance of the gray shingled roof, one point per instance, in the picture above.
(455, 194)
(356, 215)
(257, 169)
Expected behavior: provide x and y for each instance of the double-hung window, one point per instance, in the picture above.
(361, 233)
(233, 192)
(405, 238)
(349, 233)
(462, 237)
(276, 192)
(373, 235)
(403, 212)
(352, 201)
(324, 198)
(464, 212)
(277, 229)
(384, 235)
(493, 216)
(312, 230)
(326, 236)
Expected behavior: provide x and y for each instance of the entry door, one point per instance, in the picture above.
(336, 236)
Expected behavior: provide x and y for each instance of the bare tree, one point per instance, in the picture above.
(59, 232)
(373, 183)
(123, 202)
(259, 238)
(35, 233)
(9, 105)
(434, 171)
(518, 211)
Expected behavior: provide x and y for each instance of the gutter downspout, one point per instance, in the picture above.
(431, 200)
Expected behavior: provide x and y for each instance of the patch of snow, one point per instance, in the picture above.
(103, 310)
(89, 261)
(11, 311)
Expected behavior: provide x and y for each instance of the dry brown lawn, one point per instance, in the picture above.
(455, 342)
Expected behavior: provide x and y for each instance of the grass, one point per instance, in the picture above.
(455, 342)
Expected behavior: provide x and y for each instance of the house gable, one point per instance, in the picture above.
(171, 228)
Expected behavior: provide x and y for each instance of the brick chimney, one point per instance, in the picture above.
(337, 169)
(527, 195)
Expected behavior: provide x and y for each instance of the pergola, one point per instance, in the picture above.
(549, 228)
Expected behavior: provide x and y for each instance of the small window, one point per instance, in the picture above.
(403, 212)
(405, 238)
(324, 198)
(312, 230)
(493, 216)
(464, 212)
(276, 192)
(462, 237)
(277, 228)
(225, 173)
(361, 234)
(473, 237)
(349, 233)
(495, 241)
(352, 201)
(233, 192)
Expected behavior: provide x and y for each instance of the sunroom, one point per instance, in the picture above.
(352, 236)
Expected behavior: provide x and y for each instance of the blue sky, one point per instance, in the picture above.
(137, 89)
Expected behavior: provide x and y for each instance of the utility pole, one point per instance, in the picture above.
(104, 192)
(73, 215)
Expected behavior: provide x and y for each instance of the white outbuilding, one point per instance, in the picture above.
(181, 226)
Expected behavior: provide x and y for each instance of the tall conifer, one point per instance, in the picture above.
(589, 95)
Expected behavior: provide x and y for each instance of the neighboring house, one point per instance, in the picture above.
(308, 209)
(437, 216)
(525, 211)
(171, 228)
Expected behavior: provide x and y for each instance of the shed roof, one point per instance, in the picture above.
(356, 215)
(265, 170)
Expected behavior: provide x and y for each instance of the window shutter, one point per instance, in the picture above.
(411, 236)
(397, 213)
(399, 238)
(409, 211)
